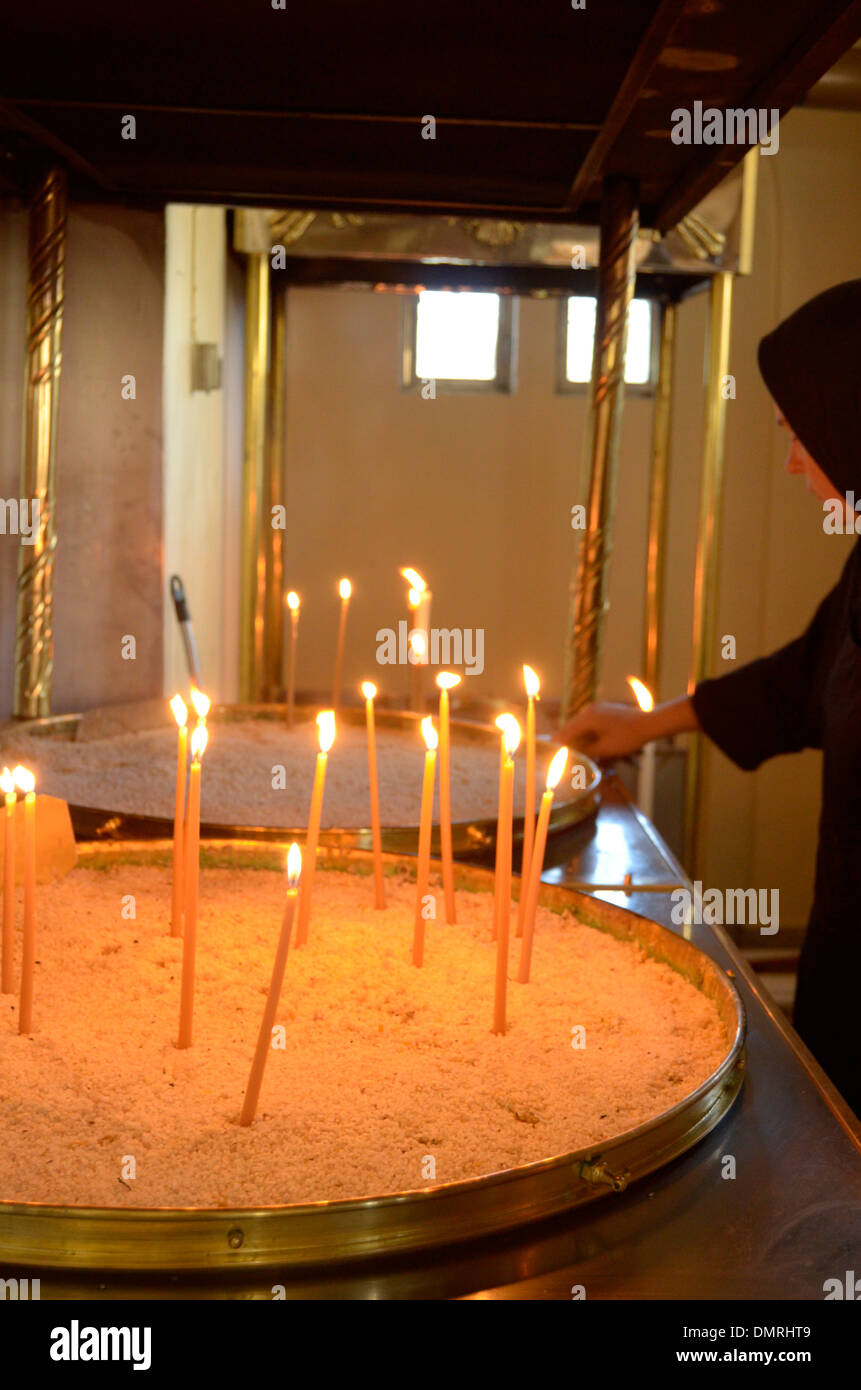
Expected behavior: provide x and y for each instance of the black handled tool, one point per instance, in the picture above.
(183, 617)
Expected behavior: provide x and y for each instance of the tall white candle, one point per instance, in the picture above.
(533, 686)
(646, 775)
(27, 784)
(7, 786)
(264, 1037)
(502, 881)
(446, 681)
(425, 824)
(369, 690)
(326, 728)
(345, 589)
(180, 714)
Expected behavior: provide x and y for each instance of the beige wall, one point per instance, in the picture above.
(13, 308)
(108, 573)
(476, 491)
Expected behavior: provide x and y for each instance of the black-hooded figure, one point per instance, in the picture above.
(807, 694)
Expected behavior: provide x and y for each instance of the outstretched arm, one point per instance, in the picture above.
(612, 730)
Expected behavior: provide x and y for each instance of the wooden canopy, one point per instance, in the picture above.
(321, 106)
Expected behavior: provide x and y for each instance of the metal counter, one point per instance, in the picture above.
(791, 1217)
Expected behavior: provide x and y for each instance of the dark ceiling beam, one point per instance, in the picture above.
(14, 119)
(155, 195)
(787, 82)
(333, 272)
(636, 78)
(350, 117)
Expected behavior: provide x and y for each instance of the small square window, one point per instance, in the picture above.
(577, 339)
(459, 340)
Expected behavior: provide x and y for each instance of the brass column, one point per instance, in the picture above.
(708, 541)
(252, 587)
(616, 275)
(273, 633)
(34, 645)
(661, 421)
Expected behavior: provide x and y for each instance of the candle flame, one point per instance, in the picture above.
(531, 681)
(430, 734)
(418, 643)
(414, 597)
(556, 768)
(180, 710)
(510, 730)
(345, 588)
(201, 702)
(447, 680)
(7, 782)
(294, 865)
(293, 601)
(369, 690)
(199, 740)
(414, 580)
(642, 694)
(326, 725)
(24, 779)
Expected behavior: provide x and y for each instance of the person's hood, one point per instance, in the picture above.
(811, 364)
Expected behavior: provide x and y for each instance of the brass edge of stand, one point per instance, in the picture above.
(171, 1240)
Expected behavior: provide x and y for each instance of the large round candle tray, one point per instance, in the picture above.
(81, 1250)
(470, 838)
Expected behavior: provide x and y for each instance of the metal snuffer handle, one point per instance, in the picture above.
(183, 617)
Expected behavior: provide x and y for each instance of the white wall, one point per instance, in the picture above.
(199, 473)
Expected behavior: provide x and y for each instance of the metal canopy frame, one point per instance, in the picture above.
(561, 144)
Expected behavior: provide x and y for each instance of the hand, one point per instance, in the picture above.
(606, 730)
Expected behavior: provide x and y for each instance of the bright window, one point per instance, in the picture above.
(580, 337)
(460, 339)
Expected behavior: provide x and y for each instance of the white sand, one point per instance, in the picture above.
(384, 1064)
(135, 773)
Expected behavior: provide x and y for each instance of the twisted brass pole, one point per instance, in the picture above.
(34, 645)
(616, 275)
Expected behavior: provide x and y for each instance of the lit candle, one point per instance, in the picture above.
(7, 786)
(502, 882)
(345, 588)
(326, 725)
(554, 774)
(419, 603)
(369, 690)
(201, 704)
(180, 714)
(446, 680)
(646, 777)
(191, 859)
(293, 603)
(425, 823)
(264, 1037)
(533, 685)
(26, 783)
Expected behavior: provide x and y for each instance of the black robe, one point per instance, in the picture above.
(808, 694)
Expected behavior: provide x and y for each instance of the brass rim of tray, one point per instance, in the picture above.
(161, 1239)
(469, 838)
